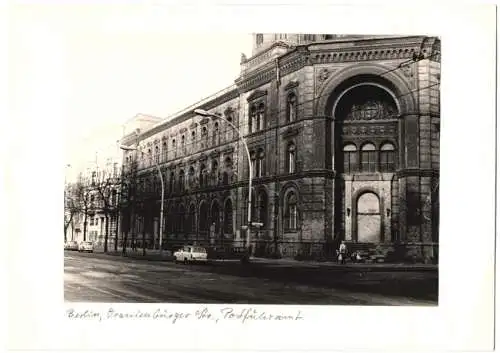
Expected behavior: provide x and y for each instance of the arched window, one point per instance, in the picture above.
(215, 135)
(193, 140)
(228, 217)
(229, 128)
(204, 137)
(262, 208)
(191, 177)
(253, 160)
(181, 214)
(350, 158)
(183, 143)
(368, 158)
(291, 214)
(215, 171)
(203, 175)
(260, 117)
(191, 222)
(290, 158)
(164, 151)
(259, 38)
(174, 148)
(181, 180)
(291, 107)
(157, 154)
(260, 163)
(150, 158)
(251, 117)
(228, 165)
(387, 160)
(172, 181)
(203, 221)
(155, 183)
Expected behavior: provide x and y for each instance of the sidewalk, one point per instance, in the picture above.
(165, 256)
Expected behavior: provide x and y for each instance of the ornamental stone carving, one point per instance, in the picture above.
(369, 130)
(322, 75)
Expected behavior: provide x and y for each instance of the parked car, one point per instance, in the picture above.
(190, 253)
(86, 246)
(71, 245)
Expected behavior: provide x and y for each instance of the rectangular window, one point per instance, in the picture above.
(259, 168)
(387, 161)
(350, 162)
(254, 168)
(291, 162)
(368, 161)
(292, 217)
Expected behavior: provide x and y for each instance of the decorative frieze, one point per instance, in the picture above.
(369, 130)
(322, 74)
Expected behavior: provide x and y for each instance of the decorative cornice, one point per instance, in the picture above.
(291, 85)
(246, 83)
(417, 172)
(256, 94)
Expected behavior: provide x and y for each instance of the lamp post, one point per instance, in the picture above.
(203, 112)
(126, 148)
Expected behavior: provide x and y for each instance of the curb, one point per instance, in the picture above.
(284, 265)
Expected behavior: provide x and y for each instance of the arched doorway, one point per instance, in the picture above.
(228, 218)
(214, 221)
(203, 220)
(368, 220)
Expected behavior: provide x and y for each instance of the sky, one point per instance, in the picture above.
(116, 62)
(113, 75)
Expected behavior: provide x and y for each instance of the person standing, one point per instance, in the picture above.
(342, 252)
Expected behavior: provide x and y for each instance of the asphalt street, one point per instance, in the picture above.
(114, 279)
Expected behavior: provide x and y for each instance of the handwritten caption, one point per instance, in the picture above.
(202, 314)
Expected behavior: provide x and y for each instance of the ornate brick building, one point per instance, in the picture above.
(343, 133)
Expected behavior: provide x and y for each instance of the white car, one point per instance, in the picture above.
(86, 246)
(191, 253)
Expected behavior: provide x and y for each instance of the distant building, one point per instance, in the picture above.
(343, 133)
(100, 182)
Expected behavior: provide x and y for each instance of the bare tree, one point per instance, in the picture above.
(106, 185)
(83, 200)
(71, 207)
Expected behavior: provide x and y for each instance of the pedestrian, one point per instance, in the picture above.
(342, 252)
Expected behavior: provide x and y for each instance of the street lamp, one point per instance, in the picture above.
(203, 112)
(126, 148)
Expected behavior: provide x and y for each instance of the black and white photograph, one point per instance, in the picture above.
(313, 178)
(250, 177)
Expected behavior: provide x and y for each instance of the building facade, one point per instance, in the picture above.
(343, 135)
(95, 197)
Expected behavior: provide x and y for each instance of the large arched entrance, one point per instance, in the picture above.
(365, 145)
